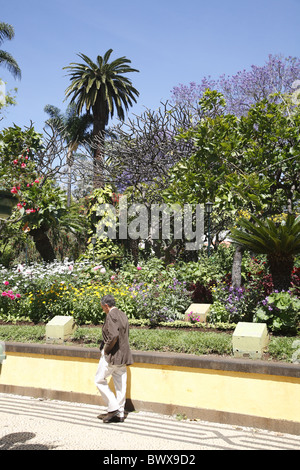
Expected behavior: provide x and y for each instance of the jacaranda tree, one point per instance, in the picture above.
(245, 88)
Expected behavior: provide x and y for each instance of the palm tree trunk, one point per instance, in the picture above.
(43, 244)
(236, 274)
(69, 190)
(99, 137)
(281, 271)
(69, 184)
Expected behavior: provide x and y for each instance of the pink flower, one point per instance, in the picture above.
(36, 181)
(23, 165)
(18, 296)
(102, 269)
(15, 161)
(14, 190)
(9, 294)
(138, 268)
(97, 267)
(113, 277)
(6, 283)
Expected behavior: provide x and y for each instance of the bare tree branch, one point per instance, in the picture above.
(141, 151)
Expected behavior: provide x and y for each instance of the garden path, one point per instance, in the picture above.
(29, 423)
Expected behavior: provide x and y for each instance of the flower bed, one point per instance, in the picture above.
(150, 292)
(38, 293)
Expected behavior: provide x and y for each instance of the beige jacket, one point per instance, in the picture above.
(115, 334)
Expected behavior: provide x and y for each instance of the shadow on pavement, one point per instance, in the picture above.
(18, 441)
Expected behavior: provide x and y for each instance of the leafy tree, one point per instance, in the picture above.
(6, 59)
(101, 87)
(249, 163)
(242, 164)
(41, 204)
(280, 242)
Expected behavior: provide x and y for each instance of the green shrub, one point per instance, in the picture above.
(281, 312)
(232, 304)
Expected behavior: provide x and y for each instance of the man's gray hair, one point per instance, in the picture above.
(108, 300)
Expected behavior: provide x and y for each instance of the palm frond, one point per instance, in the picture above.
(267, 237)
(102, 83)
(10, 63)
(6, 32)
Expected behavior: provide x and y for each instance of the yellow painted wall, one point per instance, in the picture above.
(259, 395)
(50, 372)
(252, 394)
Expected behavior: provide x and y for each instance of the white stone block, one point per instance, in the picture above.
(60, 328)
(199, 310)
(250, 340)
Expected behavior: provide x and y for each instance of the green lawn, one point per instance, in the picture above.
(143, 339)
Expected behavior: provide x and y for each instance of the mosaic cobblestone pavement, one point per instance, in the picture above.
(35, 424)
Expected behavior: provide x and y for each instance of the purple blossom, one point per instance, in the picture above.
(246, 87)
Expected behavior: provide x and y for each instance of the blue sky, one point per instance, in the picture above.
(168, 41)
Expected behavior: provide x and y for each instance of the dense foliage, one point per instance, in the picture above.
(150, 291)
(238, 147)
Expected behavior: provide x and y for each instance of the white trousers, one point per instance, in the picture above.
(119, 375)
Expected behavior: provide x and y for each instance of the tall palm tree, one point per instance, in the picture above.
(101, 87)
(73, 129)
(280, 242)
(6, 59)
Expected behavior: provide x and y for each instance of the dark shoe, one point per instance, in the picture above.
(102, 416)
(115, 419)
(111, 417)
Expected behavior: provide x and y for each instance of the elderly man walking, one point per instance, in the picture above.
(115, 357)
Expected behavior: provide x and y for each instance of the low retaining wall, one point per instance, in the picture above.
(225, 390)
